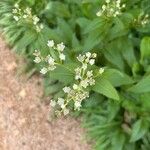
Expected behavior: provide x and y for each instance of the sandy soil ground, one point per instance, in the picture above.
(23, 118)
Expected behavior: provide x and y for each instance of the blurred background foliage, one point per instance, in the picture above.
(119, 119)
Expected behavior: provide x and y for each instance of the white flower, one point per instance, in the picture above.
(53, 103)
(62, 56)
(28, 11)
(84, 83)
(92, 61)
(25, 16)
(51, 61)
(37, 60)
(66, 111)
(117, 13)
(35, 20)
(50, 43)
(124, 5)
(107, 1)
(41, 26)
(44, 70)
(60, 101)
(92, 82)
(16, 5)
(77, 77)
(81, 58)
(16, 18)
(66, 89)
(104, 7)
(75, 86)
(14, 11)
(94, 55)
(88, 54)
(101, 70)
(77, 105)
(60, 47)
(89, 73)
(99, 13)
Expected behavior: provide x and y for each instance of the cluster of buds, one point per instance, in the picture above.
(54, 57)
(26, 15)
(143, 19)
(78, 92)
(111, 8)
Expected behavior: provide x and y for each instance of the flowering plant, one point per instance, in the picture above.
(26, 15)
(82, 75)
(114, 102)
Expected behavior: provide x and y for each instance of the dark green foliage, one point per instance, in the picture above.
(117, 114)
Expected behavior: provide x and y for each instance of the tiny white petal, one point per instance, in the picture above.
(37, 60)
(90, 73)
(16, 5)
(24, 16)
(99, 13)
(60, 101)
(43, 70)
(62, 56)
(101, 70)
(84, 83)
(107, 1)
(66, 111)
(50, 43)
(88, 54)
(66, 89)
(16, 18)
(104, 7)
(77, 105)
(75, 86)
(92, 61)
(51, 61)
(53, 103)
(60, 47)
(15, 11)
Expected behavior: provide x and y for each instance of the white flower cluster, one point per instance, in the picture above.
(111, 8)
(143, 19)
(50, 62)
(26, 15)
(78, 91)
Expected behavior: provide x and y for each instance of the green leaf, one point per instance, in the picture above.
(59, 9)
(118, 141)
(117, 78)
(26, 40)
(95, 24)
(127, 50)
(141, 87)
(145, 48)
(63, 73)
(117, 30)
(139, 129)
(113, 55)
(64, 30)
(104, 87)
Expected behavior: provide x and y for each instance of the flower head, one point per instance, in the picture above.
(44, 70)
(27, 16)
(111, 8)
(60, 47)
(50, 43)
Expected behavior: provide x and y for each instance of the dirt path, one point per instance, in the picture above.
(23, 119)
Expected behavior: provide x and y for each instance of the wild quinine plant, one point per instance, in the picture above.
(111, 8)
(116, 113)
(84, 76)
(142, 19)
(25, 15)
